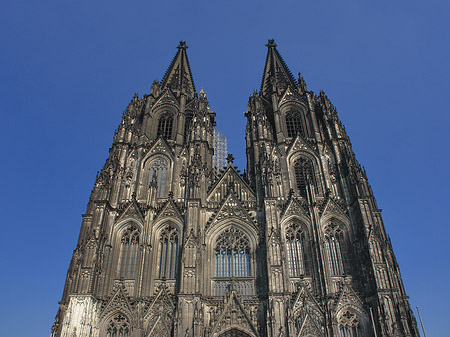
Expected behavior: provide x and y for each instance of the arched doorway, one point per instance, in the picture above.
(234, 333)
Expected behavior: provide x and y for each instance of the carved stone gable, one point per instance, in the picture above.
(230, 181)
(159, 315)
(348, 298)
(290, 96)
(300, 144)
(231, 207)
(306, 313)
(118, 302)
(332, 207)
(167, 98)
(233, 315)
(130, 209)
(309, 327)
(160, 146)
(169, 210)
(295, 207)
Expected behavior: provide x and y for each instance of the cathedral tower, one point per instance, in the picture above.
(173, 245)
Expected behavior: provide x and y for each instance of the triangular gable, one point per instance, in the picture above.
(294, 207)
(231, 207)
(159, 328)
(118, 302)
(348, 298)
(233, 315)
(332, 208)
(300, 144)
(303, 300)
(309, 328)
(158, 147)
(169, 210)
(290, 96)
(230, 176)
(306, 308)
(166, 98)
(160, 314)
(131, 210)
(161, 304)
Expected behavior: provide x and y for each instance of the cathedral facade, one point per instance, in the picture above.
(172, 244)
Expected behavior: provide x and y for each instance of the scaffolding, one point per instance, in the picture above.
(220, 149)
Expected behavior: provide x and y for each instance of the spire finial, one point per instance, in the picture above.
(230, 159)
(271, 43)
(182, 45)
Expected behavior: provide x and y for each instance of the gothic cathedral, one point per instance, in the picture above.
(173, 244)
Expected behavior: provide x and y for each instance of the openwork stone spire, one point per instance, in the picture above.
(179, 77)
(277, 76)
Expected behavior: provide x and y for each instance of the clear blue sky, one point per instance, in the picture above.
(69, 68)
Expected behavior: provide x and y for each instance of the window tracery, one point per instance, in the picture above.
(168, 252)
(118, 326)
(165, 125)
(295, 247)
(334, 238)
(232, 254)
(129, 248)
(159, 171)
(304, 175)
(349, 325)
(294, 124)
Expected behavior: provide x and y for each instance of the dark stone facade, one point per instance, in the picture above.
(172, 246)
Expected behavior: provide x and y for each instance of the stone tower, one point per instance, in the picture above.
(170, 245)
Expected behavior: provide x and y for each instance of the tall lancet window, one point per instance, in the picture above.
(118, 326)
(129, 248)
(232, 254)
(304, 175)
(168, 252)
(158, 169)
(165, 125)
(349, 325)
(295, 246)
(334, 239)
(294, 124)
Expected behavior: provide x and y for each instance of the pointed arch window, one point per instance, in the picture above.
(334, 239)
(158, 172)
(129, 248)
(349, 325)
(304, 175)
(294, 124)
(168, 252)
(118, 326)
(165, 126)
(295, 247)
(232, 254)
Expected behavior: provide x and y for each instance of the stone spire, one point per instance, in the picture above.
(277, 76)
(179, 77)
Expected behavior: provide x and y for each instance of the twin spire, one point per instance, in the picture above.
(276, 78)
